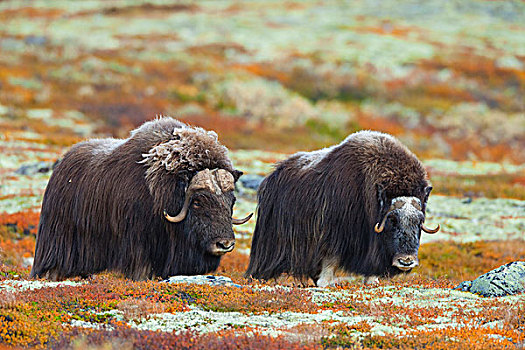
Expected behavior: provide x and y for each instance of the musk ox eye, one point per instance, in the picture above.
(393, 220)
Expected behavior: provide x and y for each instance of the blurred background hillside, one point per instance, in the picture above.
(446, 77)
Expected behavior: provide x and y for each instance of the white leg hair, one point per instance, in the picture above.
(327, 273)
(327, 277)
(371, 280)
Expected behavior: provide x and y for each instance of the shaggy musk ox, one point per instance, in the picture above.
(109, 205)
(358, 207)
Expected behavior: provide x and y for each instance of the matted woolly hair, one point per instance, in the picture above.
(184, 148)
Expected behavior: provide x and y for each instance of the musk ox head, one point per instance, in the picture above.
(200, 202)
(400, 227)
(207, 211)
(191, 180)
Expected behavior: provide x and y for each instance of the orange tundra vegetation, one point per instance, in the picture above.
(17, 236)
(22, 221)
(490, 186)
(128, 338)
(39, 318)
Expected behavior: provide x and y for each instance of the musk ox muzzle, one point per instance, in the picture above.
(221, 246)
(405, 262)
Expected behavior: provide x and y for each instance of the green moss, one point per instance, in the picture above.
(333, 134)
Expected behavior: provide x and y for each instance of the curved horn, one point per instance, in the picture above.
(241, 221)
(380, 227)
(430, 230)
(215, 181)
(179, 216)
(183, 212)
(201, 180)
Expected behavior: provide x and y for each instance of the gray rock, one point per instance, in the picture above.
(203, 279)
(35, 168)
(251, 181)
(508, 279)
(37, 40)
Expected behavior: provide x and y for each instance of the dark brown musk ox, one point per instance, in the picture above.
(109, 205)
(356, 207)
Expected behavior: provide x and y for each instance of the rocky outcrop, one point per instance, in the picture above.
(36, 168)
(508, 279)
(251, 181)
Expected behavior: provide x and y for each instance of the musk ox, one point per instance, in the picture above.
(109, 205)
(358, 206)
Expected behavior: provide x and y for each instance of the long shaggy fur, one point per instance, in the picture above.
(324, 205)
(103, 205)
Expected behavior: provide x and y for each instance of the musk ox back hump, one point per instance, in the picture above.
(322, 206)
(383, 160)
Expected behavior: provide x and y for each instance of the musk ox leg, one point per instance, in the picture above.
(340, 280)
(140, 273)
(370, 280)
(51, 275)
(327, 275)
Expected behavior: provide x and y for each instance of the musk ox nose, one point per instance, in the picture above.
(223, 246)
(405, 262)
(226, 244)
